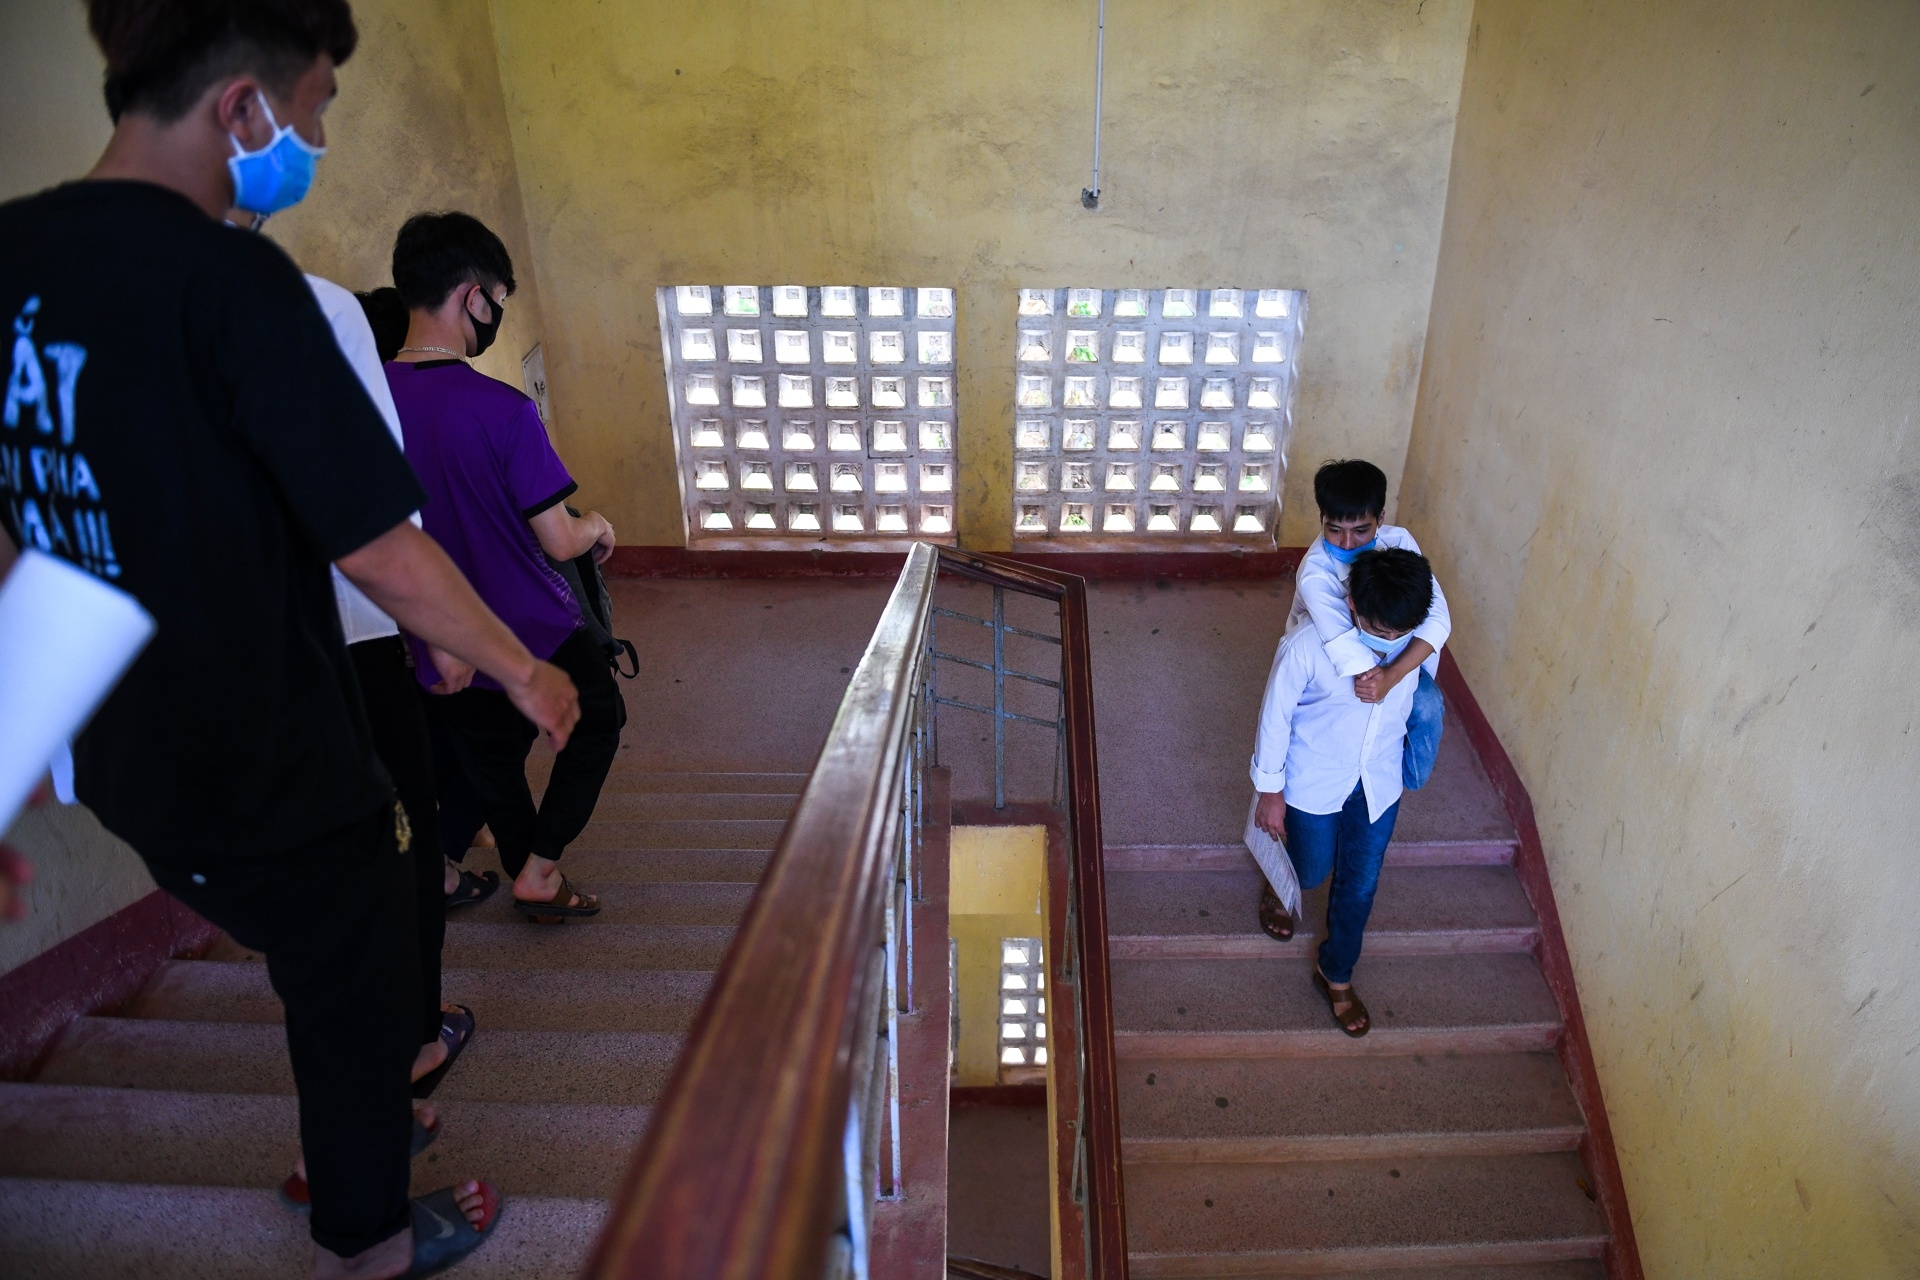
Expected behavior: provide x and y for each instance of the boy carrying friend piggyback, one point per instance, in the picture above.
(1351, 718)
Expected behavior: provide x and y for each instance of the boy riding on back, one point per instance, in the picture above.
(1352, 497)
(1328, 765)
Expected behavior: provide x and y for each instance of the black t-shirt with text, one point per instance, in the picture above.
(180, 423)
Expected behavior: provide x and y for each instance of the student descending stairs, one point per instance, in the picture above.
(150, 1143)
(1261, 1140)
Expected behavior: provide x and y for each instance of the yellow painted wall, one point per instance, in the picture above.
(1665, 458)
(1251, 142)
(420, 124)
(998, 890)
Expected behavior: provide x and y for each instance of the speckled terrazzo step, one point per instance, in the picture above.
(1270, 1008)
(1312, 1217)
(1215, 914)
(52, 1230)
(1274, 1109)
(520, 1000)
(92, 1134)
(605, 1067)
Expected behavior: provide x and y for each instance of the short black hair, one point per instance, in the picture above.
(162, 54)
(1391, 587)
(436, 253)
(1350, 488)
(388, 316)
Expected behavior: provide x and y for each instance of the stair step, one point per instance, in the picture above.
(661, 1000)
(1273, 1109)
(1215, 914)
(1313, 1217)
(624, 902)
(678, 833)
(691, 806)
(1458, 802)
(1234, 857)
(624, 1068)
(90, 1134)
(1270, 1008)
(1585, 1269)
(53, 1230)
(625, 779)
(590, 868)
(574, 944)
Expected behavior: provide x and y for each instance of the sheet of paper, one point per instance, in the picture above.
(65, 639)
(1274, 862)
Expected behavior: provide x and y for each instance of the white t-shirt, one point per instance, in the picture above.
(360, 617)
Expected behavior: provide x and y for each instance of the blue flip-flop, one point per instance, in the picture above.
(441, 1233)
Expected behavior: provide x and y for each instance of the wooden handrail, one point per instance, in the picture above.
(742, 1173)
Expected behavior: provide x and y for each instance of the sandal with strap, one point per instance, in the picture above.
(1348, 1012)
(1274, 917)
(297, 1196)
(566, 902)
(441, 1233)
(456, 1029)
(473, 889)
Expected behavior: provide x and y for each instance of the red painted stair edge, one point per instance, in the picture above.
(1556, 964)
(104, 964)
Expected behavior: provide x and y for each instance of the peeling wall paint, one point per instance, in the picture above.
(1664, 460)
(1247, 142)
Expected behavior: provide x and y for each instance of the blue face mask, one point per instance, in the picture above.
(1348, 557)
(1387, 649)
(276, 176)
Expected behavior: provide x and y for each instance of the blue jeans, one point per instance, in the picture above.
(1424, 723)
(1352, 849)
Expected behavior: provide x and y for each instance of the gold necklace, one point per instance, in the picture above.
(442, 350)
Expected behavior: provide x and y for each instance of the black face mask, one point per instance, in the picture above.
(485, 333)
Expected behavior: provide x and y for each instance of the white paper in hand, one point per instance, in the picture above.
(65, 639)
(1274, 862)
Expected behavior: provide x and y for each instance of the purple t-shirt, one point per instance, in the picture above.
(482, 455)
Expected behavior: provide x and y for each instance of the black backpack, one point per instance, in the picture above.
(596, 607)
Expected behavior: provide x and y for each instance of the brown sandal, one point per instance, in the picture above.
(1274, 918)
(566, 902)
(1353, 1018)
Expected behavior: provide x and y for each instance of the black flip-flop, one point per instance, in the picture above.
(473, 889)
(456, 1029)
(441, 1233)
(297, 1196)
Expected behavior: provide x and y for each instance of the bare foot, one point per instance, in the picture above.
(431, 1055)
(451, 880)
(540, 880)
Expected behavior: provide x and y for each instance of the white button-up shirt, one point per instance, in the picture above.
(1316, 739)
(360, 618)
(1320, 597)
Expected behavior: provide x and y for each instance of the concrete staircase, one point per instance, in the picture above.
(1261, 1140)
(150, 1143)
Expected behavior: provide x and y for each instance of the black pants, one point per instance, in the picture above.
(335, 920)
(481, 742)
(399, 725)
